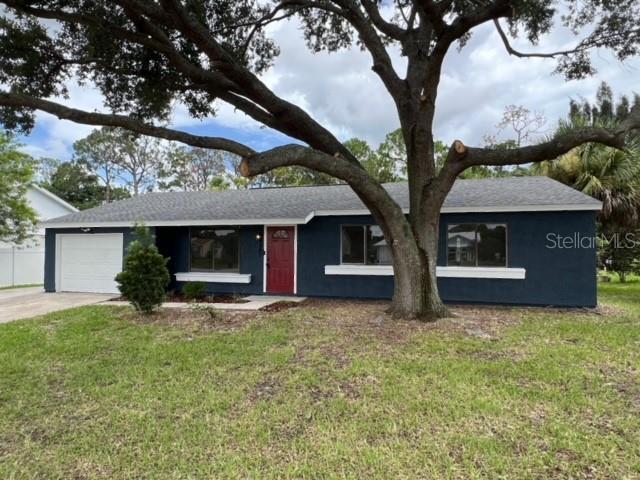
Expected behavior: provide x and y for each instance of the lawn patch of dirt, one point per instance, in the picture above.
(194, 320)
(280, 306)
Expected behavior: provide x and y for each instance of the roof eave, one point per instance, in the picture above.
(319, 213)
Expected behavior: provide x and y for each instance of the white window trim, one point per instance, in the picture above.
(444, 272)
(213, 277)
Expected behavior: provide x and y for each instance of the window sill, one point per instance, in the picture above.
(382, 270)
(443, 272)
(482, 272)
(211, 277)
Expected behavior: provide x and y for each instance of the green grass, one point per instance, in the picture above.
(29, 285)
(86, 393)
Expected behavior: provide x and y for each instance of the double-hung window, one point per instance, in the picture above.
(364, 245)
(214, 250)
(477, 245)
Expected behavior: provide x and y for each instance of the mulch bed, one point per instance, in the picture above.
(221, 298)
(180, 298)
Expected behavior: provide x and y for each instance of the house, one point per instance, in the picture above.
(502, 241)
(24, 264)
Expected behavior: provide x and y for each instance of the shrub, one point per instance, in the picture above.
(145, 277)
(193, 290)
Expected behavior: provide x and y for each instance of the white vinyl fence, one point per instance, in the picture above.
(22, 265)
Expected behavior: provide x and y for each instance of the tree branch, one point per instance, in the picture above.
(516, 53)
(111, 120)
(288, 118)
(551, 149)
(389, 29)
(374, 196)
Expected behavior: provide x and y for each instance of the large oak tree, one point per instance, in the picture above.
(143, 55)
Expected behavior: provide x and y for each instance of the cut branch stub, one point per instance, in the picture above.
(459, 147)
(244, 168)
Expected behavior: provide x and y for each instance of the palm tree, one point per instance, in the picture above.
(608, 174)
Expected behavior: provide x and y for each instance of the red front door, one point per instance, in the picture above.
(280, 259)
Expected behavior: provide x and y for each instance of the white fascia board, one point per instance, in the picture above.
(213, 277)
(444, 272)
(524, 208)
(178, 223)
(486, 209)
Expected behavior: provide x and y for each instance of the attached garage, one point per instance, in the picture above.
(88, 262)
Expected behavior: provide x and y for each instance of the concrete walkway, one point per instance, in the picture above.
(18, 303)
(255, 302)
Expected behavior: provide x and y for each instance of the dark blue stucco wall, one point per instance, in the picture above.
(561, 277)
(173, 242)
(555, 276)
(319, 245)
(50, 249)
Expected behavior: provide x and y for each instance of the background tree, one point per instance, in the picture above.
(605, 108)
(140, 161)
(218, 184)
(520, 123)
(17, 218)
(381, 167)
(45, 168)
(191, 169)
(621, 254)
(99, 153)
(75, 185)
(394, 150)
(145, 55)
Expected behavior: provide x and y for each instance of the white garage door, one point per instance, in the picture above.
(88, 263)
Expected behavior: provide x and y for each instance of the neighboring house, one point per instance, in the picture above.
(496, 242)
(24, 264)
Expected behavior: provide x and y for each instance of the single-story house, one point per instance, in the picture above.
(524, 241)
(24, 264)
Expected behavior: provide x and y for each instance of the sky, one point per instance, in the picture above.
(342, 93)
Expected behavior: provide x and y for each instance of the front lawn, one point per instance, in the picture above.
(326, 390)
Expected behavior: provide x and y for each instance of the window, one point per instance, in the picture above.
(477, 245)
(364, 244)
(214, 250)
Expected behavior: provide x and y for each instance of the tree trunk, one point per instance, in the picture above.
(416, 256)
(416, 290)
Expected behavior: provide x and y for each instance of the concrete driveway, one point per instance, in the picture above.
(17, 303)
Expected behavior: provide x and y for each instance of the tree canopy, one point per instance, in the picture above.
(17, 218)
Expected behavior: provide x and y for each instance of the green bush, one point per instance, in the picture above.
(193, 290)
(145, 277)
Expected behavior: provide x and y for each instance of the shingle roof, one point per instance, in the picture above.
(300, 204)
